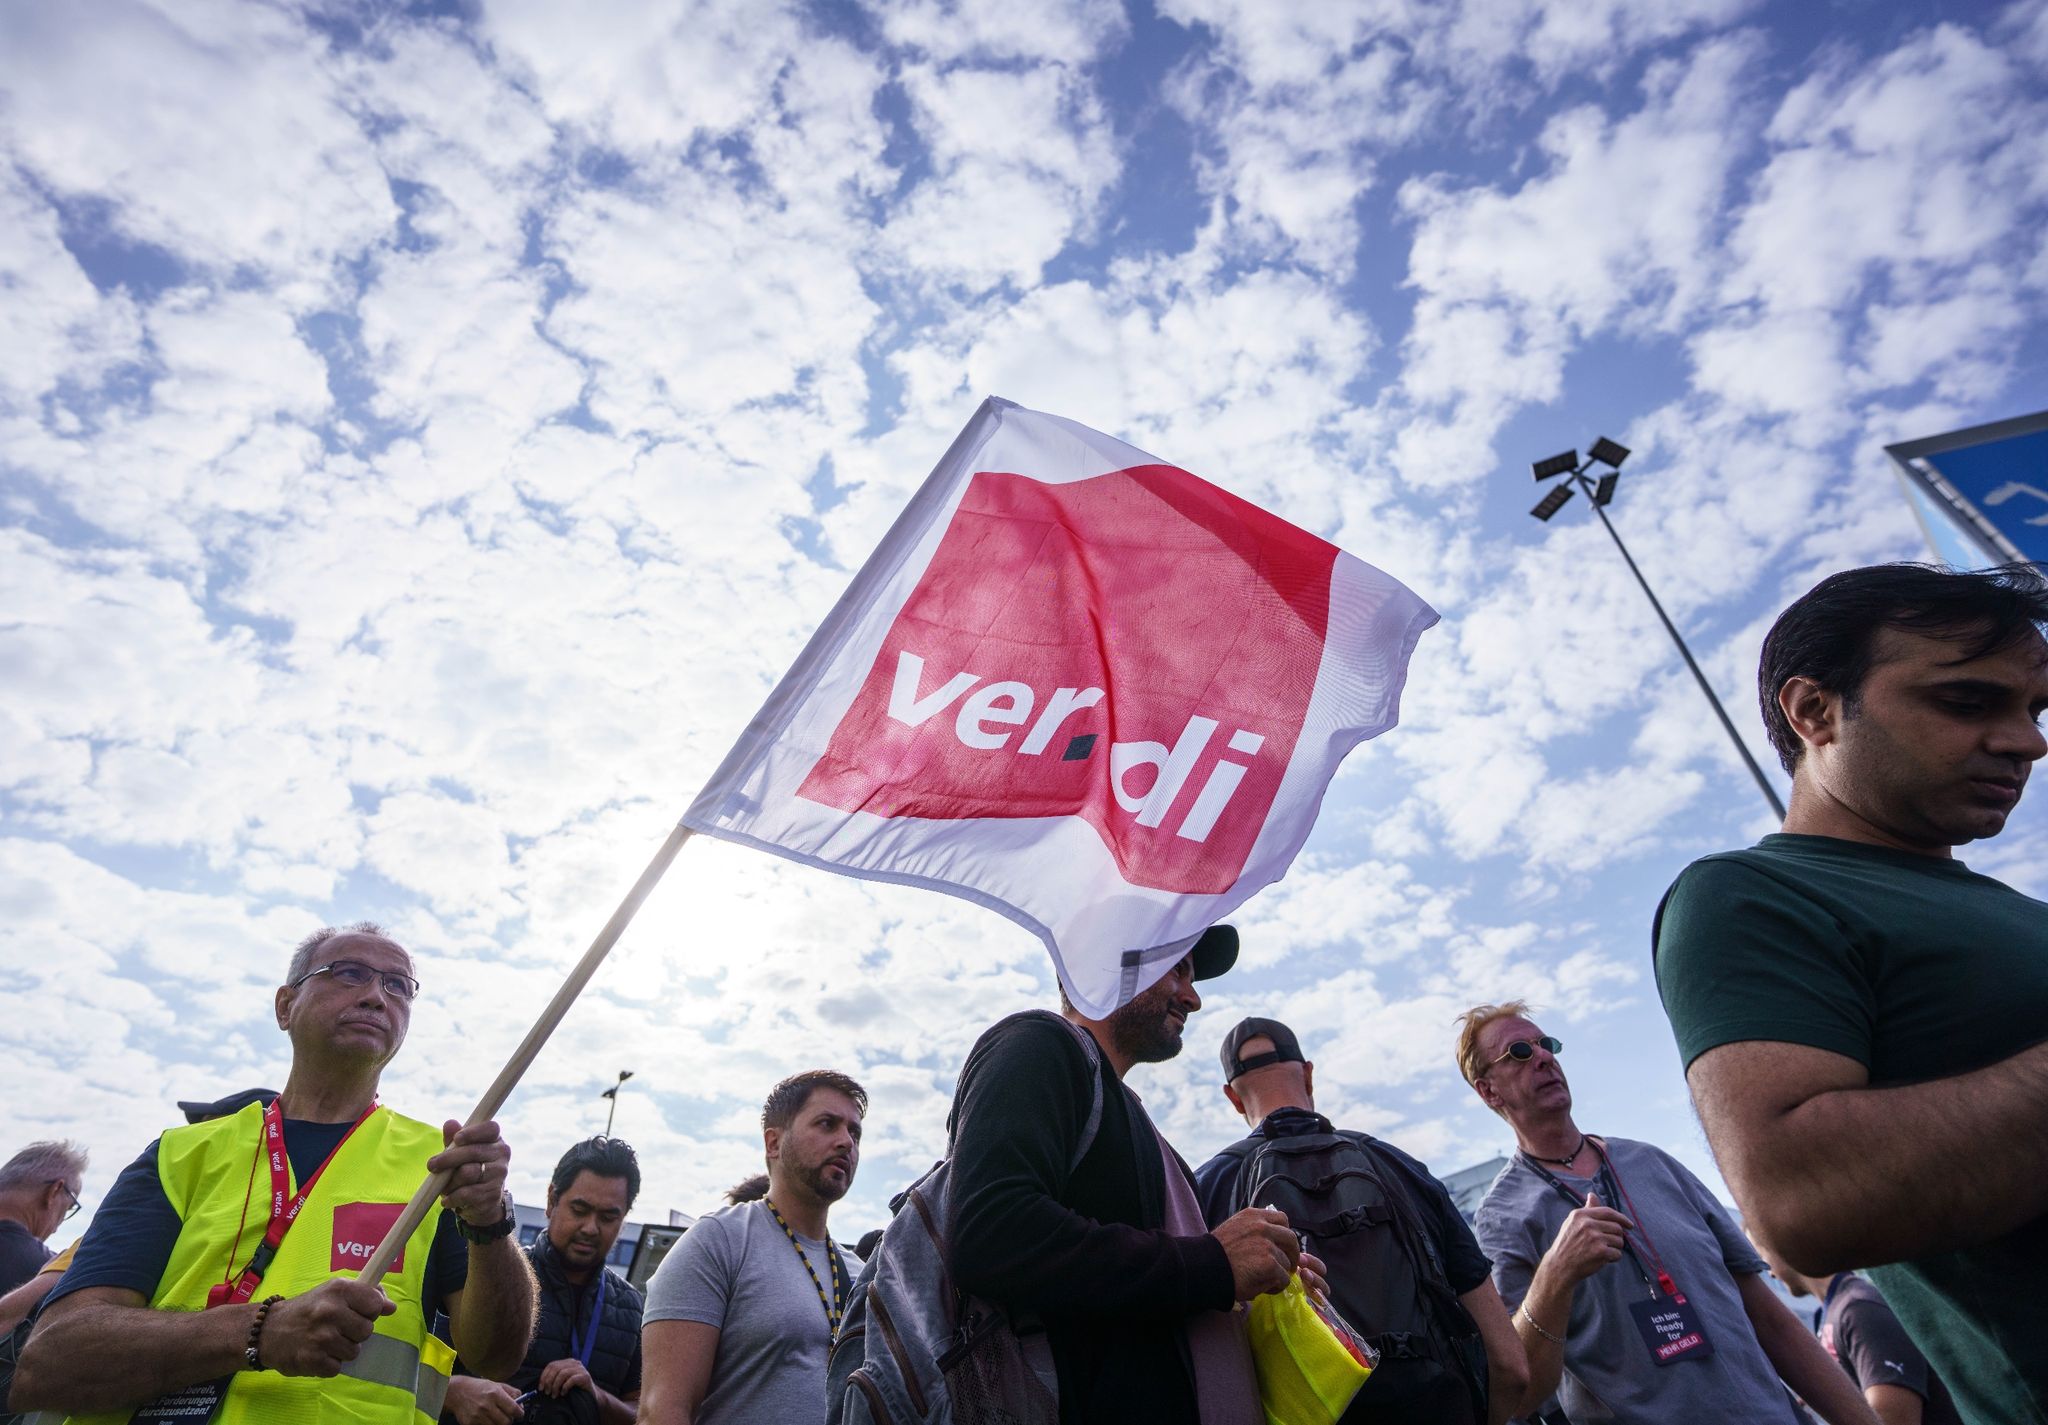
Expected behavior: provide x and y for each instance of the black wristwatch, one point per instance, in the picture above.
(497, 1232)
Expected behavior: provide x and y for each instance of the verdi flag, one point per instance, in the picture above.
(1080, 687)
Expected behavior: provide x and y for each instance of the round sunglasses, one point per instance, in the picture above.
(1523, 1050)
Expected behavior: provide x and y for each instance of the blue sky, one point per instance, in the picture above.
(427, 431)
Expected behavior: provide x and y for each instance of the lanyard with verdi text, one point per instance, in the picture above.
(283, 1213)
(1608, 1181)
(579, 1346)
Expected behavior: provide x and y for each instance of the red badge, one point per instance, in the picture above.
(358, 1228)
(1137, 649)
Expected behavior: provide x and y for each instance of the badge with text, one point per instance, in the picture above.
(1671, 1329)
(191, 1405)
(358, 1228)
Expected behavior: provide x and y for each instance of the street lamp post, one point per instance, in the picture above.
(612, 1093)
(1599, 494)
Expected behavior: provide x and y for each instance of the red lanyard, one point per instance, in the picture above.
(283, 1213)
(1663, 1277)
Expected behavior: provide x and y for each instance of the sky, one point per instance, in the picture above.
(427, 431)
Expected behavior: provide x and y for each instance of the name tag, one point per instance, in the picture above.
(358, 1228)
(1671, 1329)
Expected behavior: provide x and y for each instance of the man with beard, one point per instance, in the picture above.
(741, 1314)
(583, 1365)
(1861, 1015)
(1138, 1298)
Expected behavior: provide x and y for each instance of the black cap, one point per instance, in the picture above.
(222, 1107)
(1286, 1048)
(1215, 952)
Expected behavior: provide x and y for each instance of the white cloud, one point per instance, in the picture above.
(139, 108)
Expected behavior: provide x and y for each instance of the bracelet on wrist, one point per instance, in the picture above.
(252, 1351)
(1554, 1340)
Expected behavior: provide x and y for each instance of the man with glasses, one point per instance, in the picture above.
(218, 1279)
(39, 1189)
(1634, 1292)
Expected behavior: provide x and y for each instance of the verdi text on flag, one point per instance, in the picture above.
(1081, 687)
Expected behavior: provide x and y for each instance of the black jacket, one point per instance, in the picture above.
(1086, 1252)
(564, 1307)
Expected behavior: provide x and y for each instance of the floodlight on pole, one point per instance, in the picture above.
(612, 1093)
(1599, 495)
(1607, 452)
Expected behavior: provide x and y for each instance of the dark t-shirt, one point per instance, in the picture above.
(1861, 1332)
(1917, 968)
(132, 1235)
(1216, 1185)
(22, 1254)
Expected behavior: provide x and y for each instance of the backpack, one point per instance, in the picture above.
(1386, 1277)
(913, 1347)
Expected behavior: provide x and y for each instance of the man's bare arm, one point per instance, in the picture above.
(492, 1317)
(17, 1304)
(1799, 1359)
(675, 1370)
(102, 1348)
(1834, 1174)
(1507, 1363)
(1895, 1405)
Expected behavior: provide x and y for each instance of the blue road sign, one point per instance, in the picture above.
(1991, 480)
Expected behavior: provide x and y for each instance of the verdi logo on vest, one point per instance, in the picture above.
(358, 1228)
(1137, 650)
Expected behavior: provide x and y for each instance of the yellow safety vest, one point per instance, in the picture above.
(401, 1374)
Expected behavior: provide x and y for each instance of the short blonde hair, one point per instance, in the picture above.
(1472, 1023)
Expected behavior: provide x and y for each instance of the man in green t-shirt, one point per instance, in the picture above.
(1863, 1019)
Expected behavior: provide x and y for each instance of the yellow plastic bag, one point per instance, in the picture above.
(1310, 1363)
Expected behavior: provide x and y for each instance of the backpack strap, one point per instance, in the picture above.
(1091, 1052)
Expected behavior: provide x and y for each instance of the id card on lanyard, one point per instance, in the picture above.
(1668, 1323)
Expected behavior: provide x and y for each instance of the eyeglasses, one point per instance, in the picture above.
(356, 975)
(71, 1211)
(1523, 1050)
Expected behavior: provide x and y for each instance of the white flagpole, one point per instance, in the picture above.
(529, 1048)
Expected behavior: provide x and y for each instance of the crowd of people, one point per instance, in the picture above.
(1860, 1018)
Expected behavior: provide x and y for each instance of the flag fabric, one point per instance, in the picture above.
(1080, 687)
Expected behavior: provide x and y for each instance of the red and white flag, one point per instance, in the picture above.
(1080, 687)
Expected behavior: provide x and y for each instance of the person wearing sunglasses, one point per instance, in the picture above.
(39, 1189)
(218, 1280)
(1635, 1294)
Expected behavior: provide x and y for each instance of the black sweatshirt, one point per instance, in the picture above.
(1085, 1252)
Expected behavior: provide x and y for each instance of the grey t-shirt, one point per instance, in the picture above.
(1609, 1372)
(737, 1271)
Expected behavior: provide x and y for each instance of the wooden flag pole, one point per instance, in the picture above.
(529, 1048)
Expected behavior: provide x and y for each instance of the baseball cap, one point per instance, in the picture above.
(1286, 1048)
(1215, 952)
(221, 1107)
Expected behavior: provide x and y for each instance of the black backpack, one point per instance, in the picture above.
(1387, 1278)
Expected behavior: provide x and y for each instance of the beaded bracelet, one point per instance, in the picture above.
(256, 1331)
